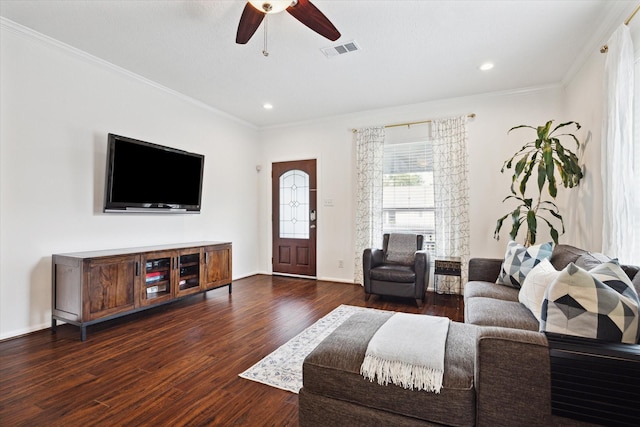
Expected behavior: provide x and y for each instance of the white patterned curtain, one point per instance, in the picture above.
(617, 148)
(450, 169)
(369, 164)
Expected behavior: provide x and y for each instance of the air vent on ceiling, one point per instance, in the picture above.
(341, 49)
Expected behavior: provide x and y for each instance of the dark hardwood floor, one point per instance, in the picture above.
(177, 364)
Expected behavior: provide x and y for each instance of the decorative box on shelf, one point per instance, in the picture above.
(446, 266)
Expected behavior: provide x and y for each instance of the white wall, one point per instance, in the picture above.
(57, 107)
(583, 103)
(331, 142)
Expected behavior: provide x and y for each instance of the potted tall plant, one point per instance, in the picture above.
(547, 158)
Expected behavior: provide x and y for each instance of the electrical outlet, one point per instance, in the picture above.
(340, 263)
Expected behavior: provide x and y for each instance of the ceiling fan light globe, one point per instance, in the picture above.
(273, 6)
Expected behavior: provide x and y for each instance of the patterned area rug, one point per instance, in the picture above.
(283, 368)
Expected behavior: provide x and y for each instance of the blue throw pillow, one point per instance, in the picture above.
(519, 261)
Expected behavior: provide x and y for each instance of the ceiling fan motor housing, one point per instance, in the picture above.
(274, 6)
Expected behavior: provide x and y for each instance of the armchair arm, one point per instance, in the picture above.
(513, 379)
(371, 258)
(484, 269)
(421, 266)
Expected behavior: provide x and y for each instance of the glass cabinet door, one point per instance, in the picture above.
(188, 272)
(156, 277)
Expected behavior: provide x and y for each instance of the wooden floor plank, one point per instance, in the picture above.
(178, 364)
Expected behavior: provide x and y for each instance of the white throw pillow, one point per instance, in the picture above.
(535, 285)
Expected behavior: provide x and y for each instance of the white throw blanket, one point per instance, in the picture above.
(408, 351)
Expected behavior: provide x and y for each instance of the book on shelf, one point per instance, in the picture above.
(154, 278)
(156, 289)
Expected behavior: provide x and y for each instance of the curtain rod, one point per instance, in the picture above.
(395, 125)
(605, 48)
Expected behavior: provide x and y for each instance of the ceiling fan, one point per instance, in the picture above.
(303, 10)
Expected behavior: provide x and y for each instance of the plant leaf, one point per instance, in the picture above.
(514, 227)
(561, 125)
(532, 225)
(496, 233)
(520, 166)
(542, 176)
(547, 154)
(521, 126)
(543, 131)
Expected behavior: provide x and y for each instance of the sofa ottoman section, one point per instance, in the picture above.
(332, 371)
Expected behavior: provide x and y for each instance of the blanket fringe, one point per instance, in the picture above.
(401, 374)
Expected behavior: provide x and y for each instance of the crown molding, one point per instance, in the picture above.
(615, 16)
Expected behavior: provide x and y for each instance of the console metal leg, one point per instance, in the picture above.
(54, 326)
(83, 333)
(230, 287)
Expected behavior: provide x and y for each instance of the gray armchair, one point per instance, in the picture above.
(386, 273)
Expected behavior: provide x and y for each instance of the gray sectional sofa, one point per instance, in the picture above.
(497, 366)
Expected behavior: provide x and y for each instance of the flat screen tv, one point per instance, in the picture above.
(146, 177)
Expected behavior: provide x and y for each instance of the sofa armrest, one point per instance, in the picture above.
(512, 378)
(371, 258)
(484, 269)
(421, 266)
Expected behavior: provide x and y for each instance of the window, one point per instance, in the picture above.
(407, 195)
(294, 205)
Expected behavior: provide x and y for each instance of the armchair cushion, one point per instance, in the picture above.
(393, 273)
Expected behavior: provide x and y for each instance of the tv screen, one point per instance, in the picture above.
(142, 176)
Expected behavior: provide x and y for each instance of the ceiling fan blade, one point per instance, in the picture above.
(249, 23)
(305, 12)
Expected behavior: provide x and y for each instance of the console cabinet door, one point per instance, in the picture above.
(188, 272)
(217, 266)
(110, 286)
(158, 277)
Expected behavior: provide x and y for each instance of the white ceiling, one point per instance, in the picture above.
(411, 51)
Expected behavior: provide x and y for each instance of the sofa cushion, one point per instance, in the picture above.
(489, 290)
(601, 303)
(494, 312)
(535, 286)
(564, 254)
(591, 260)
(519, 261)
(333, 370)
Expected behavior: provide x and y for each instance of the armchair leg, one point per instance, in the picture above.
(366, 296)
(419, 302)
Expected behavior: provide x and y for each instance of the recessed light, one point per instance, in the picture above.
(486, 66)
(267, 106)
